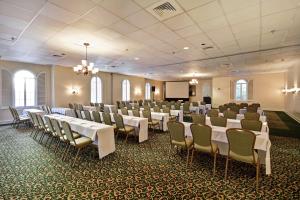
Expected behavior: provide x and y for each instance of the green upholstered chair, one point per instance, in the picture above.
(87, 115)
(218, 121)
(186, 108)
(235, 109)
(152, 104)
(222, 109)
(121, 128)
(168, 110)
(252, 116)
(136, 113)
(241, 148)
(146, 107)
(151, 122)
(177, 106)
(198, 119)
(44, 128)
(78, 143)
(252, 125)
(229, 114)
(129, 106)
(213, 113)
(96, 116)
(80, 107)
(156, 109)
(252, 109)
(195, 104)
(78, 114)
(202, 141)
(71, 106)
(244, 105)
(51, 130)
(37, 125)
(178, 139)
(92, 104)
(124, 111)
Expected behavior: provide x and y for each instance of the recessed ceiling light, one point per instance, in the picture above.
(203, 44)
(136, 58)
(186, 48)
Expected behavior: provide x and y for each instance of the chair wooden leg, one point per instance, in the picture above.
(192, 157)
(126, 137)
(226, 167)
(66, 152)
(187, 158)
(215, 159)
(257, 175)
(76, 157)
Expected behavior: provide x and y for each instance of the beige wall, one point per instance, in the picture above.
(266, 90)
(204, 88)
(292, 100)
(12, 68)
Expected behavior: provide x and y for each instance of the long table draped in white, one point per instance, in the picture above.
(33, 110)
(262, 143)
(177, 113)
(63, 111)
(162, 117)
(235, 123)
(101, 134)
(262, 118)
(244, 110)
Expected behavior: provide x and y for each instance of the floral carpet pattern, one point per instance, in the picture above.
(29, 170)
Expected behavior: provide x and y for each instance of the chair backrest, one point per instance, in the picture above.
(229, 114)
(147, 114)
(252, 109)
(106, 118)
(129, 106)
(80, 107)
(78, 113)
(15, 114)
(177, 106)
(213, 113)
(41, 121)
(49, 124)
(12, 112)
(152, 104)
(146, 107)
(92, 104)
(114, 110)
(201, 135)
(71, 106)
(235, 109)
(256, 105)
(253, 125)
(106, 110)
(222, 109)
(57, 127)
(122, 105)
(198, 118)
(218, 121)
(156, 109)
(96, 104)
(241, 143)
(166, 110)
(243, 105)
(124, 111)
(140, 102)
(136, 113)
(186, 107)
(252, 116)
(96, 116)
(176, 130)
(68, 132)
(35, 119)
(195, 104)
(87, 115)
(119, 121)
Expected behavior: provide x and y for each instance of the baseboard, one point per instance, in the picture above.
(293, 116)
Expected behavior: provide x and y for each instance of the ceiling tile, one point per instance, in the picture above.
(13, 22)
(145, 3)
(86, 25)
(221, 36)
(190, 4)
(123, 27)
(77, 6)
(59, 14)
(188, 31)
(251, 12)
(32, 5)
(11, 10)
(247, 28)
(107, 34)
(179, 22)
(273, 6)
(162, 32)
(120, 8)
(278, 21)
(141, 19)
(101, 17)
(213, 24)
(206, 12)
(235, 5)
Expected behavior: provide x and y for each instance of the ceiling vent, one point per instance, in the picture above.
(165, 9)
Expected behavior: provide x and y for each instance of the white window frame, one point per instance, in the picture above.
(25, 92)
(147, 91)
(241, 83)
(97, 88)
(125, 90)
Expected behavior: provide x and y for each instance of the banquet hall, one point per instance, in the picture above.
(149, 99)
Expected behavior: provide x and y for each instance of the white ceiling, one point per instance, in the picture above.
(125, 33)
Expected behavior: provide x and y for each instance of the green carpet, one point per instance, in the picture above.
(28, 170)
(281, 124)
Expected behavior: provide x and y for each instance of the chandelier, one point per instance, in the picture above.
(86, 68)
(193, 81)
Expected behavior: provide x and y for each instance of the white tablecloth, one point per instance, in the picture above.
(101, 134)
(235, 123)
(33, 110)
(262, 118)
(110, 107)
(162, 117)
(262, 143)
(89, 108)
(64, 111)
(177, 113)
(244, 110)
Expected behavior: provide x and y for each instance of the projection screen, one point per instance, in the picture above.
(177, 89)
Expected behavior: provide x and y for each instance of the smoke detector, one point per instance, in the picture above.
(164, 9)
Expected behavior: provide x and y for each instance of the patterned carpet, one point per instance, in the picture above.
(28, 170)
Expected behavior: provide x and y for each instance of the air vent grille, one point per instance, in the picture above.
(165, 9)
(206, 48)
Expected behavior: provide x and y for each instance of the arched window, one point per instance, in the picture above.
(147, 91)
(96, 90)
(125, 90)
(241, 90)
(24, 85)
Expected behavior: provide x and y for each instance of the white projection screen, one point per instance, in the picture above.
(177, 90)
